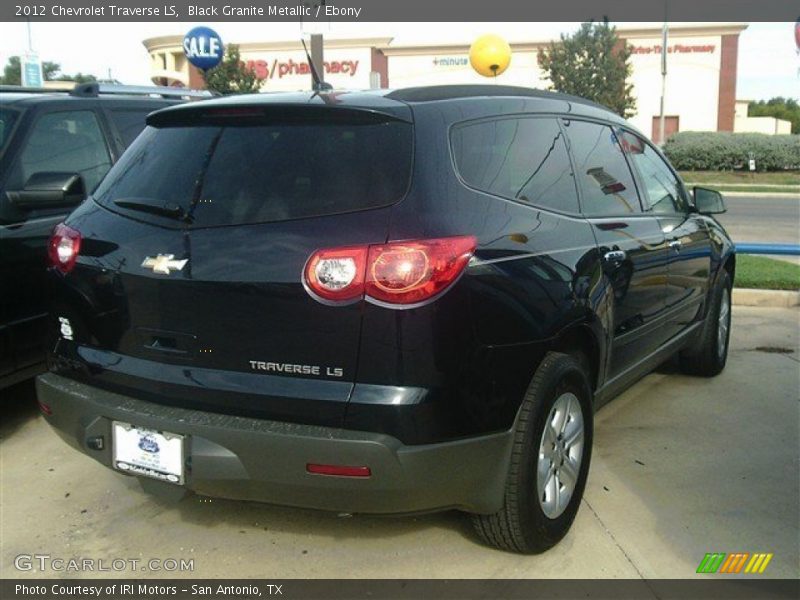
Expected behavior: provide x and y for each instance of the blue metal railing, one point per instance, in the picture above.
(777, 249)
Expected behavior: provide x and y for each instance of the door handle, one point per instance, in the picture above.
(615, 256)
(675, 245)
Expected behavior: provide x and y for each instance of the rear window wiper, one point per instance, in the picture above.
(171, 212)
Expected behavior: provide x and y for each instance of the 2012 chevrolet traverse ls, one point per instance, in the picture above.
(380, 301)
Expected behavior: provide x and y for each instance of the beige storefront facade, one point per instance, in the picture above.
(701, 90)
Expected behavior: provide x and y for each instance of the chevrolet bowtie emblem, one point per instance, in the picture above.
(163, 263)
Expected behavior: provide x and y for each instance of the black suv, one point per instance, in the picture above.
(384, 302)
(54, 146)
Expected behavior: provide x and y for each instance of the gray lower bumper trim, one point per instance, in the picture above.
(253, 459)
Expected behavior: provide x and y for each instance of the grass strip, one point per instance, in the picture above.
(759, 272)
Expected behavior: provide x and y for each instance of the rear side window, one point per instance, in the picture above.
(226, 175)
(66, 142)
(7, 119)
(522, 159)
(606, 182)
(129, 123)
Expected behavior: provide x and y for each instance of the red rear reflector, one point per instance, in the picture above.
(338, 471)
(63, 248)
(398, 273)
(45, 408)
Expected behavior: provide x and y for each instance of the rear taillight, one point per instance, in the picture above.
(336, 275)
(411, 272)
(63, 247)
(399, 273)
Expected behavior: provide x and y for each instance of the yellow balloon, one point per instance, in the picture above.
(490, 55)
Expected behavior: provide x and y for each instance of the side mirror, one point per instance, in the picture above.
(708, 202)
(49, 190)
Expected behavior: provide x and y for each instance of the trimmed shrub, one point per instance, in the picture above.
(725, 151)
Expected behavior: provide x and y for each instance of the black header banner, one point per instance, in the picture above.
(398, 10)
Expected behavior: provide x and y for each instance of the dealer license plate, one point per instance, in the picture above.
(156, 454)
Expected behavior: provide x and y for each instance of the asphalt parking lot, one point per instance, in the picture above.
(682, 466)
(764, 219)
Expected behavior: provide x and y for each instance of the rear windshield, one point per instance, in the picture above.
(210, 175)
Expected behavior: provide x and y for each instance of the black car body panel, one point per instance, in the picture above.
(145, 328)
(39, 138)
(622, 288)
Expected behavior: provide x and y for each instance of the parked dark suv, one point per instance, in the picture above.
(384, 302)
(54, 147)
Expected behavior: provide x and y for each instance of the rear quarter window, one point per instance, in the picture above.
(255, 173)
(523, 159)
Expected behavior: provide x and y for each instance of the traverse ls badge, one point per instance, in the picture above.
(163, 263)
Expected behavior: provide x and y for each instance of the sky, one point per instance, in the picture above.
(769, 63)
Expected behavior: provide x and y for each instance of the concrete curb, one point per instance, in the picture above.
(766, 298)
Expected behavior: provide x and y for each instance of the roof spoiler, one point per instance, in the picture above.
(268, 112)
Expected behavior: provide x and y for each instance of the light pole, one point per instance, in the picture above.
(663, 82)
(30, 68)
(316, 57)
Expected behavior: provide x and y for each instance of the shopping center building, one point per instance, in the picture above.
(701, 81)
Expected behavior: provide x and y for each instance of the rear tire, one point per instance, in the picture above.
(549, 461)
(709, 354)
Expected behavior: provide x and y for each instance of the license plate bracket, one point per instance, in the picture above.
(148, 452)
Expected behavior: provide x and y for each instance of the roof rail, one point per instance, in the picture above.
(433, 93)
(93, 89)
(18, 89)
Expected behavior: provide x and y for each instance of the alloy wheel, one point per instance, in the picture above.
(560, 455)
(724, 322)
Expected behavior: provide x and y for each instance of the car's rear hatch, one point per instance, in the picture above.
(190, 270)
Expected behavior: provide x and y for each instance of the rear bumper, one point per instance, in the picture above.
(254, 459)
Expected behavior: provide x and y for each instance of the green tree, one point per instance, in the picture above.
(77, 78)
(232, 76)
(781, 108)
(591, 63)
(49, 69)
(12, 73)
